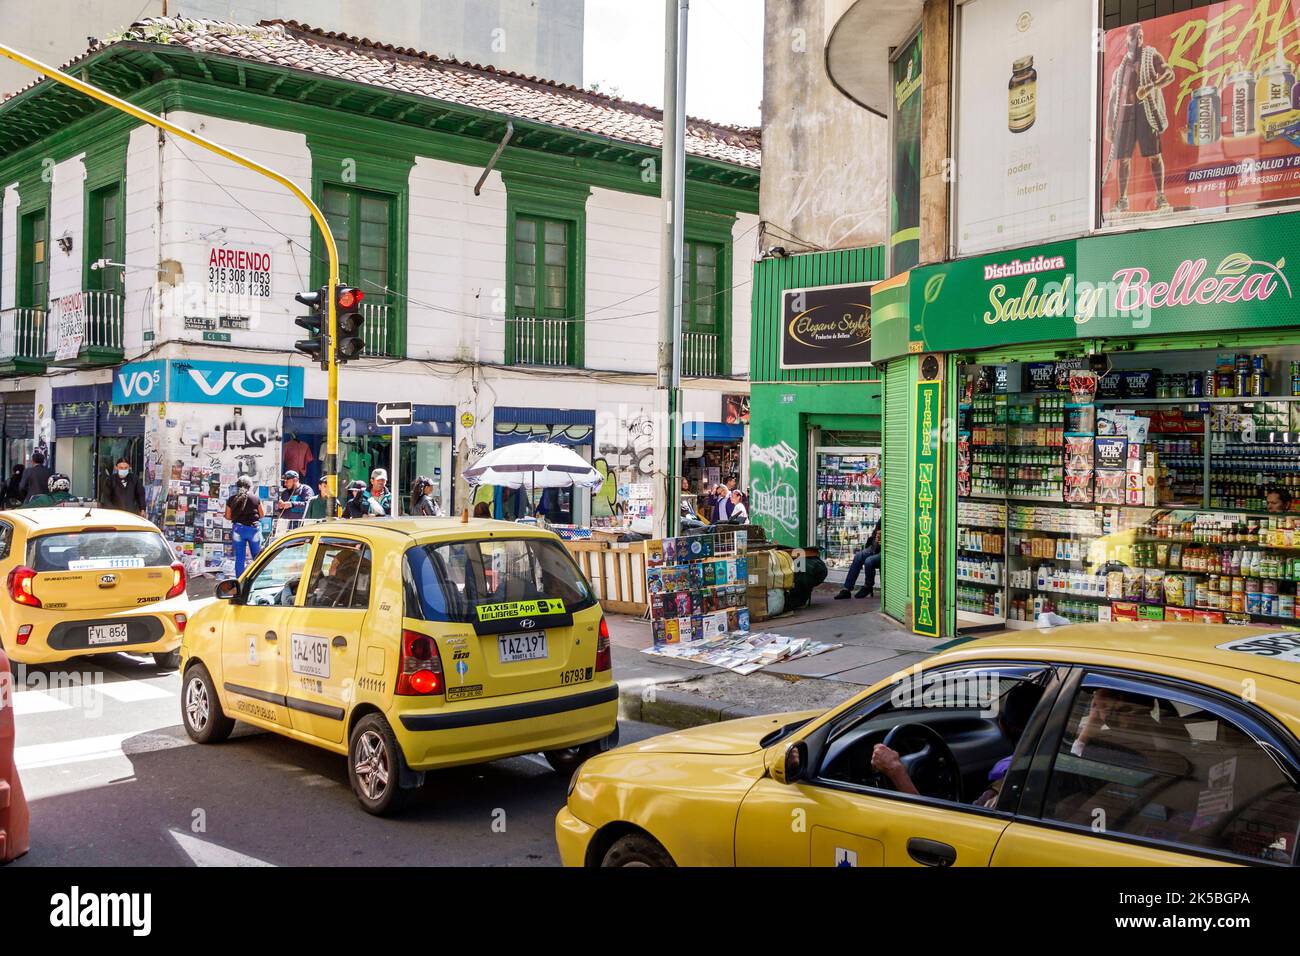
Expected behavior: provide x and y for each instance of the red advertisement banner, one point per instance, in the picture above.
(1200, 112)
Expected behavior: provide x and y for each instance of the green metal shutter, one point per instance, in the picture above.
(896, 503)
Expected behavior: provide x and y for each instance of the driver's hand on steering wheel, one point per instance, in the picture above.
(885, 760)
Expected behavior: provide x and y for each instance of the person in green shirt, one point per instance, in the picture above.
(59, 492)
(316, 507)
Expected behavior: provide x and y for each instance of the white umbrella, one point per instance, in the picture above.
(534, 465)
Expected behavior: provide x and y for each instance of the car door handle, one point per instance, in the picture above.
(340, 641)
(931, 852)
(270, 637)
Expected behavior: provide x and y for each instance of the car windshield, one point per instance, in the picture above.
(444, 582)
(93, 550)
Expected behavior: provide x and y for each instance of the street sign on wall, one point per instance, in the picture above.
(826, 326)
(394, 413)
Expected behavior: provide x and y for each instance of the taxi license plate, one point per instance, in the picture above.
(521, 647)
(106, 634)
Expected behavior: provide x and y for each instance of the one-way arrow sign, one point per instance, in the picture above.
(394, 413)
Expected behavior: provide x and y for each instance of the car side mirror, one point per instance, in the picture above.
(790, 765)
(227, 590)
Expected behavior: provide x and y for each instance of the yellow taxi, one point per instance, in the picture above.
(84, 581)
(1107, 745)
(408, 645)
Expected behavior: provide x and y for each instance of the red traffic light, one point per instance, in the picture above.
(348, 298)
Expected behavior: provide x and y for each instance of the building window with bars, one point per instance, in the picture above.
(544, 326)
(703, 309)
(362, 222)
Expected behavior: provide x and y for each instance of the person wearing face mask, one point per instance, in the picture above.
(123, 490)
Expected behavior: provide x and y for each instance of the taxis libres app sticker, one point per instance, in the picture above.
(508, 609)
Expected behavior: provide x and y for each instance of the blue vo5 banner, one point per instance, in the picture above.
(235, 383)
(140, 382)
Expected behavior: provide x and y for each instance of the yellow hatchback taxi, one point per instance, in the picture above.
(84, 581)
(1104, 744)
(408, 645)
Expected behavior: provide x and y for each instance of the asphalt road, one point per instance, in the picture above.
(113, 780)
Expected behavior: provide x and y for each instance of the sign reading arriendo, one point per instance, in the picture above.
(828, 326)
(513, 609)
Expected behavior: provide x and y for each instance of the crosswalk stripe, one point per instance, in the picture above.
(37, 702)
(33, 756)
(129, 692)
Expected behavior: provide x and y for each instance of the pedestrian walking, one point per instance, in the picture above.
(357, 505)
(294, 497)
(423, 504)
(122, 490)
(316, 507)
(244, 512)
(379, 500)
(13, 498)
(36, 478)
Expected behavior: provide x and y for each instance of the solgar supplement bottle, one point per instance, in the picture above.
(1022, 95)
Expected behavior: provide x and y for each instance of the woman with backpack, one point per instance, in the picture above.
(244, 512)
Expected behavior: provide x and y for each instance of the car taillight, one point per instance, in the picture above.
(178, 580)
(20, 587)
(419, 672)
(603, 662)
(181, 620)
(24, 633)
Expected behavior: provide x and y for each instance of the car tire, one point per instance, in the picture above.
(637, 849)
(568, 759)
(571, 758)
(376, 767)
(201, 713)
(168, 661)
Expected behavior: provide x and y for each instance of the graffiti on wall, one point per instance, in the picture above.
(773, 490)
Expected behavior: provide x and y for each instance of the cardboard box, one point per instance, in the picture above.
(1151, 612)
(1123, 611)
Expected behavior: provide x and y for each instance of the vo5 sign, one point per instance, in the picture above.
(235, 383)
(140, 382)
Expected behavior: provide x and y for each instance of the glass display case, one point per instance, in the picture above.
(1127, 493)
(848, 500)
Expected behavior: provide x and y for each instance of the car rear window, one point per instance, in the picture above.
(444, 582)
(95, 550)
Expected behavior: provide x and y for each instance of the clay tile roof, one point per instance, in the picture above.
(402, 70)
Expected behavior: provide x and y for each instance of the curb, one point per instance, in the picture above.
(646, 702)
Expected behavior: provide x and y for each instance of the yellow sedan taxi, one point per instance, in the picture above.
(84, 581)
(1137, 744)
(408, 645)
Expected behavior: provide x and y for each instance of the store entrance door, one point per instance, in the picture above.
(846, 502)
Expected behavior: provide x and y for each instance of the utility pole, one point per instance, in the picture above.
(108, 99)
(673, 169)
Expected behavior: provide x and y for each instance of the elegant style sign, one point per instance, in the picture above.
(826, 327)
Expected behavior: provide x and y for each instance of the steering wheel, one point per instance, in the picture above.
(928, 760)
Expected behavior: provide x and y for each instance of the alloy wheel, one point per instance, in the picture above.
(197, 707)
(371, 765)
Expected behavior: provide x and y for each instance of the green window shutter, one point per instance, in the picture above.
(33, 279)
(103, 232)
(896, 563)
(542, 275)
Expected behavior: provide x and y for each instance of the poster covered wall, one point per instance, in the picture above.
(1023, 116)
(1198, 112)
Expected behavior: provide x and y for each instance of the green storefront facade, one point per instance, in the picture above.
(1172, 301)
(792, 410)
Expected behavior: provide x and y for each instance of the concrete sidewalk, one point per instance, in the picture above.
(679, 693)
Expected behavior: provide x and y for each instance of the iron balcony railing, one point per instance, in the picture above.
(542, 341)
(376, 332)
(22, 333)
(700, 354)
(101, 320)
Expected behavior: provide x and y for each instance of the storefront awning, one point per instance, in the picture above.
(712, 431)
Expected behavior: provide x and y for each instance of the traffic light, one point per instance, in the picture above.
(316, 324)
(347, 306)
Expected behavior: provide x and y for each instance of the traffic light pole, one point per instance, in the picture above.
(144, 116)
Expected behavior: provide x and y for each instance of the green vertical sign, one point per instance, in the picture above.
(926, 476)
(905, 196)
